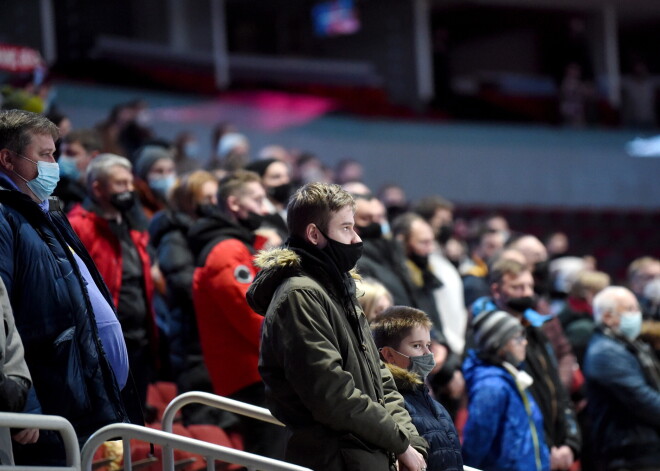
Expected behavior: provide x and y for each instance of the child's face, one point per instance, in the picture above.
(416, 343)
(516, 347)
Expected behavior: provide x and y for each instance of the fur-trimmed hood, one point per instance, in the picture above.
(276, 265)
(295, 259)
(405, 380)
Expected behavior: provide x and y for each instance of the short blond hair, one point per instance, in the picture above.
(395, 323)
(505, 267)
(589, 281)
(373, 290)
(640, 263)
(233, 184)
(316, 203)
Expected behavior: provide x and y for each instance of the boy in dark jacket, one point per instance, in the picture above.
(403, 337)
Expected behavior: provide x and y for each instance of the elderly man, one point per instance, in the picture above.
(623, 386)
(73, 342)
(110, 225)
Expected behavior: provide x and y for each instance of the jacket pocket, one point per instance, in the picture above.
(358, 456)
(64, 374)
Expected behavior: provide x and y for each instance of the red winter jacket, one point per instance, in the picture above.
(105, 248)
(229, 331)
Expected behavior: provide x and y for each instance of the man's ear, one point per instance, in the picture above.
(232, 203)
(6, 159)
(494, 291)
(96, 190)
(609, 319)
(312, 234)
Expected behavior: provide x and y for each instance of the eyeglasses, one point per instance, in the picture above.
(519, 339)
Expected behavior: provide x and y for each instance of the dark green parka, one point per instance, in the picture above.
(323, 375)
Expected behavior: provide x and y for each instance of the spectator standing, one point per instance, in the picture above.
(403, 338)
(224, 244)
(15, 378)
(78, 148)
(73, 343)
(623, 386)
(512, 288)
(504, 429)
(156, 174)
(323, 375)
(109, 226)
(193, 196)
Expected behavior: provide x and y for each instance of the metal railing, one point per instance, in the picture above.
(209, 451)
(219, 402)
(45, 422)
(211, 400)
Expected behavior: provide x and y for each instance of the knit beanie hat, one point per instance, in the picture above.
(493, 329)
(260, 166)
(147, 156)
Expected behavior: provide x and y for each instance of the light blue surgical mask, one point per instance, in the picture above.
(631, 324)
(162, 185)
(46, 181)
(68, 167)
(385, 228)
(191, 149)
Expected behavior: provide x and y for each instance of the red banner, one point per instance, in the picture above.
(19, 59)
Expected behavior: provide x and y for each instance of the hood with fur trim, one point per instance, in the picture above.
(276, 265)
(405, 380)
(281, 263)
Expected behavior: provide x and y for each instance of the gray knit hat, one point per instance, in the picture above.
(147, 156)
(493, 329)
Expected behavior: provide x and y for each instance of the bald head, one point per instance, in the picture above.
(532, 248)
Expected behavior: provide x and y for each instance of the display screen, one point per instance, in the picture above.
(335, 17)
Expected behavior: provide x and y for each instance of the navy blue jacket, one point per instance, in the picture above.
(624, 404)
(71, 374)
(431, 420)
(498, 434)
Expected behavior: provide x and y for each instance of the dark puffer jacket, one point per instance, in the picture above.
(431, 420)
(623, 388)
(322, 372)
(54, 317)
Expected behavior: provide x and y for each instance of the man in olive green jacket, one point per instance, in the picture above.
(323, 376)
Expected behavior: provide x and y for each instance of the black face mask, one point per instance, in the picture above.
(541, 275)
(445, 233)
(370, 231)
(422, 261)
(394, 211)
(521, 304)
(344, 256)
(252, 222)
(123, 201)
(205, 209)
(281, 193)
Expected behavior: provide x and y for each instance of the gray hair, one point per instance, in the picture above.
(607, 301)
(17, 128)
(100, 167)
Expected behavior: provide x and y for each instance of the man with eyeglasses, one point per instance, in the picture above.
(73, 342)
(512, 290)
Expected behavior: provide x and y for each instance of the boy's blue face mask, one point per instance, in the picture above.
(47, 178)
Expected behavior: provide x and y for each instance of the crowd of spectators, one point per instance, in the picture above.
(139, 272)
